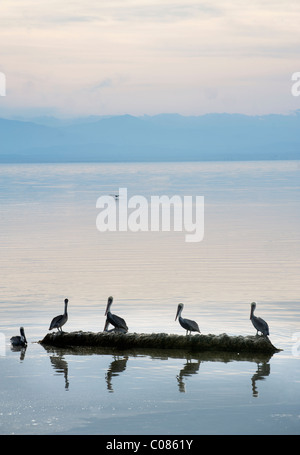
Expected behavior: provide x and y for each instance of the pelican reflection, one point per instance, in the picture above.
(21, 349)
(60, 365)
(263, 370)
(118, 365)
(189, 368)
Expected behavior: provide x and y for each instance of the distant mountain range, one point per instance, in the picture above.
(165, 137)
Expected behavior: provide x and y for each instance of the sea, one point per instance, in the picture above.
(51, 248)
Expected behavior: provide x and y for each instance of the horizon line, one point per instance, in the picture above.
(20, 117)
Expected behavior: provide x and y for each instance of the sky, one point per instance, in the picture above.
(145, 57)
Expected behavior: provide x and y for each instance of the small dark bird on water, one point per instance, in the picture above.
(19, 340)
(260, 325)
(187, 324)
(60, 320)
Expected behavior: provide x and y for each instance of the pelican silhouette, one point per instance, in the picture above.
(118, 323)
(260, 325)
(19, 340)
(187, 324)
(60, 320)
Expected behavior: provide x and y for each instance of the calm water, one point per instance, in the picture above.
(50, 249)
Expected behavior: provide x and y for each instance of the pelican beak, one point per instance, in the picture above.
(177, 314)
(106, 326)
(109, 302)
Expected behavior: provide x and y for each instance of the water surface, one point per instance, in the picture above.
(51, 249)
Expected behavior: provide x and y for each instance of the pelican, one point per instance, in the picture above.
(59, 321)
(113, 319)
(187, 324)
(19, 340)
(260, 325)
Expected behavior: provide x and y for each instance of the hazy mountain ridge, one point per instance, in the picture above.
(164, 137)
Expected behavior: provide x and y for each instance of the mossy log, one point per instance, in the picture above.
(194, 343)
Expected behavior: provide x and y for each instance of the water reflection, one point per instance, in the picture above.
(190, 367)
(60, 365)
(118, 365)
(263, 369)
(21, 349)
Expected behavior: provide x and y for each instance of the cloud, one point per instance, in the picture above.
(149, 56)
(103, 84)
(30, 13)
(161, 11)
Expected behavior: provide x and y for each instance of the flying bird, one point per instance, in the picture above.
(260, 325)
(187, 324)
(118, 323)
(60, 320)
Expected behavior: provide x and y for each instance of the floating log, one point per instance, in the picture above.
(194, 343)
